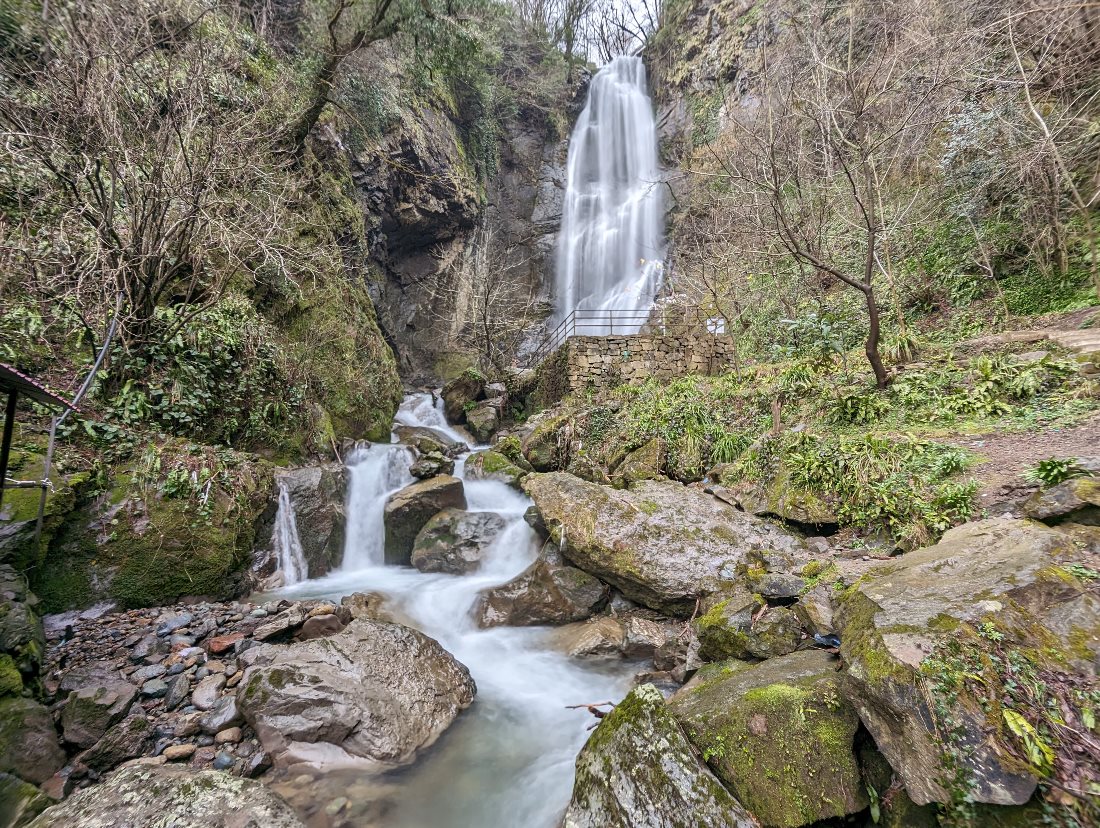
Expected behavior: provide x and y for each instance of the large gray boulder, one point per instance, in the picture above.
(408, 510)
(544, 593)
(29, 746)
(483, 420)
(91, 710)
(638, 771)
(780, 736)
(1076, 500)
(1005, 575)
(144, 796)
(468, 387)
(372, 695)
(662, 544)
(454, 540)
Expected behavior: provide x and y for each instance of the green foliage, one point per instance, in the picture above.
(1052, 471)
(859, 407)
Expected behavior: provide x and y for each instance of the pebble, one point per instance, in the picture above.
(205, 740)
(154, 688)
(170, 625)
(223, 761)
(177, 753)
(336, 806)
(143, 674)
(231, 735)
(259, 612)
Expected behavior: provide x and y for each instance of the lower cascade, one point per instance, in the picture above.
(508, 760)
(288, 546)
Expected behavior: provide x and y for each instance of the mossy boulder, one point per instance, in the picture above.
(20, 802)
(22, 639)
(779, 497)
(492, 465)
(407, 511)
(1076, 500)
(780, 736)
(1004, 572)
(543, 445)
(638, 771)
(29, 746)
(660, 543)
(94, 708)
(142, 546)
(641, 464)
(738, 626)
(483, 420)
(458, 394)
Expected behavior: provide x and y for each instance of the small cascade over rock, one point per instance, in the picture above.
(612, 232)
(375, 472)
(288, 546)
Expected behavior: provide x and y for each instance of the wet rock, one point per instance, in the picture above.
(373, 694)
(453, 541)
(370, 605)
(637, 770)
(1009, 572)
(468, 387)
(642, 464)
(282, 626)
(603, 636)
(28, 742)
(544, 593)
(427, 440)
(172, 623)
(126, 740)
(483, 420)
(318, 495)
(662, 544)
(783, 725)
(431, 464)
(1076, 500)
(408, 510)
(170, 795)
(92, 709)
(492, 465)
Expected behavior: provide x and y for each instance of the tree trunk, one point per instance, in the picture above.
(874, 332)
(322, 88)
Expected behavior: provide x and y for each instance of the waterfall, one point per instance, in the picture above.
(288, 546)
(612, 237)
(375, 472)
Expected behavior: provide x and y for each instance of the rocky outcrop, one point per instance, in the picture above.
(662, 544)
(22, 640)
(408, 510)
(373, 695)
(544, 593)
(784, 725)
(318, 495)
(431, 464)
(453, 541)
(1007, 573)
(638, 771)
(145, 795)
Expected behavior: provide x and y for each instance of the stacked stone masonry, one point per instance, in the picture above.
(606, 361)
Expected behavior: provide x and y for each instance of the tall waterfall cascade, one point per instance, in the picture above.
(611, 245)
(288, 546)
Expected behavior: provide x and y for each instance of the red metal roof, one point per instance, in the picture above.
(13, 380)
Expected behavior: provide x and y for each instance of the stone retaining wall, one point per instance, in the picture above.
(606, 361)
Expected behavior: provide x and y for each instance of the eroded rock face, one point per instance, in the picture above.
(146, 795)
(1005, 571)
(409, 509)
(544, 593)
(662, 544)
(454, 540)
(780, 736)
(372, 695)
(638, 771)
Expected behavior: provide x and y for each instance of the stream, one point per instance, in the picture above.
(508, 760)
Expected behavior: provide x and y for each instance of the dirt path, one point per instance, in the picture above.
(1005, 456)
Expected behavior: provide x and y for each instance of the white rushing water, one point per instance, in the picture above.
(612, 233)
(288, 546)
(508, 760)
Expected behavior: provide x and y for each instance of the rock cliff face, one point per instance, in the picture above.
(426, 199)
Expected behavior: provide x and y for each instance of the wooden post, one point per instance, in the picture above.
(5, 445)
